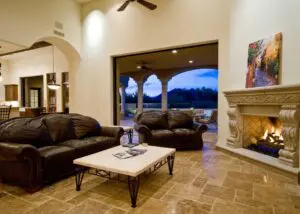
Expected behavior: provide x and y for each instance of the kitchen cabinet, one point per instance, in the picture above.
(11, 92)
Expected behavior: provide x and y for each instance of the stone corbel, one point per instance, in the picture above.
(290, 118)
(234, 126)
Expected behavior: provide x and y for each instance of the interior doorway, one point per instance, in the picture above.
(31, 91)
(35, 97)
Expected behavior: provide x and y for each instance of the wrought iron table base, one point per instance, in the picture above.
(133, 182)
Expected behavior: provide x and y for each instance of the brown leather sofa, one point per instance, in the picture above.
(34, 151)
(174, 129)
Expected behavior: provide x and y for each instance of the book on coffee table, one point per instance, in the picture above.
(122, 155)
(129, 153)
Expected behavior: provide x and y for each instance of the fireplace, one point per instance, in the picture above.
(265, 120)
(263, 134)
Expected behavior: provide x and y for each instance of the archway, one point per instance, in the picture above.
(197, 89)
(73, 58)
(152, 89)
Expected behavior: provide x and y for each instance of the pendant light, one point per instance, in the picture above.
(1, 78)
(52, 85)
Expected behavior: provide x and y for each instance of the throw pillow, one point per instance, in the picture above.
(60, 127)
(179, 119)
(85, 126)
(154, 120)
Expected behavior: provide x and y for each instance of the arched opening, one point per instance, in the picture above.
(30, 71)
(65, 47)
(66, 93)
(196, 90)
(152, 93)
(128, 98)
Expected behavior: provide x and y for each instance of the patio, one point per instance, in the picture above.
(210, 136)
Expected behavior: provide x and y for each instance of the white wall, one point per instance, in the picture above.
(35, 63)
(107, 33)
(26, 21)
(254, 19)
(251, 20)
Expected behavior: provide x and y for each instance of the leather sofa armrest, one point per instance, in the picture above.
(200, 128)
(143, 130)
(109, 131)
(30, 156)
(18, 152)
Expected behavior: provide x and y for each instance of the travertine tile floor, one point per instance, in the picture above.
(207, 181)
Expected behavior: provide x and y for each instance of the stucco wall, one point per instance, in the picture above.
(107, 33)
(251, 20)
(25, 22)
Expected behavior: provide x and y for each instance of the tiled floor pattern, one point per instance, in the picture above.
(207, 181)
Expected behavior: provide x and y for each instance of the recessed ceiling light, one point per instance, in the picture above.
(138, 67)
(191, 61)
(174, 51)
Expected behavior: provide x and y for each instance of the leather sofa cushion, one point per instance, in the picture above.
(89, 145)
(25, 131)
(60, 127)
(162, 133)
(56, 161)
(179, 119)
(153, 119)
(85, 126)
(182, 132)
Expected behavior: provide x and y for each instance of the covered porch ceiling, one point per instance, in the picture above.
(202, 56)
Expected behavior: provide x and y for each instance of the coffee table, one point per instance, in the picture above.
(104, 164)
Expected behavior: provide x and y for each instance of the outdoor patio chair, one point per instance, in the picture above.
(212, 119)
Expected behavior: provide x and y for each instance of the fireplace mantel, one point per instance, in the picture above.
(272, 95)
(285, 100)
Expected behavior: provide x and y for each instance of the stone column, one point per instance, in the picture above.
(164, 94)
(123, 84)
(234, 140)
(140, 84)
(123, 100)
(290, 117)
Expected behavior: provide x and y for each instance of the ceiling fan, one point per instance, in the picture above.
(146, 4)
(144, 66)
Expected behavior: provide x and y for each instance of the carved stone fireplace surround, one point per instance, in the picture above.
(275, 101)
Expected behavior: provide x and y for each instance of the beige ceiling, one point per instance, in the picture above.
(6, 47)
(82, 1)
(203, 56)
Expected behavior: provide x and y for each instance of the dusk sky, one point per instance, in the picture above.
(193, 79)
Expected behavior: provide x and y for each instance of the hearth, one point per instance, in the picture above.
(267, 120)
(263, 134)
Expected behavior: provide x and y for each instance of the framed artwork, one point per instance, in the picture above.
(264, 62)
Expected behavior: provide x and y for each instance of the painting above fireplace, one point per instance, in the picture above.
(264, 62)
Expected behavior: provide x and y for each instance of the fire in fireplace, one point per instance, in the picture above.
(269, 139)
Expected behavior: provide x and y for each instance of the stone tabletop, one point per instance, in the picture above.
(134, 166)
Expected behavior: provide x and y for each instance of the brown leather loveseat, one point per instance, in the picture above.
(39, 150)
(174, 129)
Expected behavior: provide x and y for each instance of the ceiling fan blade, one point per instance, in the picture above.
(147, 4)
(123, 7)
